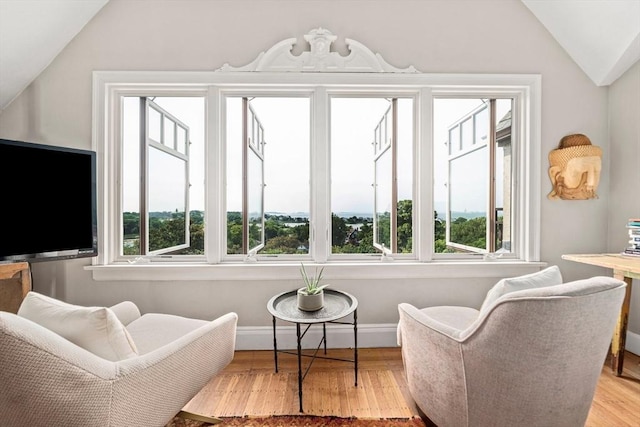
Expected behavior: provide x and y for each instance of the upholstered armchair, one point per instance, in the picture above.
(531, 356)
(66, 365)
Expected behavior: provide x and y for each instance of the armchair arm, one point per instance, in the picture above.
(432, 357)
(48, 380)
(126, 312)
(441, 321)
(173, 373)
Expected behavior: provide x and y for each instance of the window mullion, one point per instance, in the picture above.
(245, 180)
(215, 213)
(491, 209)
(394, 177)
(319, 237)
(423, 176)
(144, 182)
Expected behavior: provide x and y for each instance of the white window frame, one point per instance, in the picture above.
(110, 86)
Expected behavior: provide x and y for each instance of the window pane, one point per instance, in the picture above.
(383, 200)
(482, 126)
(256, 208)
(190, 115)
(165, 225)
(167, 198)
(285, 132)
(181, 141)
(477, 217)
(448, 115)
(169, 132)
(155, 122)
(355, 135)
(363, 187)
(454, 139)
(467, 133)
(468, 177)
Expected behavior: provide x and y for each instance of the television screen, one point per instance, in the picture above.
(48, 208)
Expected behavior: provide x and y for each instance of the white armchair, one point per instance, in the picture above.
(48, 380)
(529, 357)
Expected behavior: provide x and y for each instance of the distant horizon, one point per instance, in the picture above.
(346, 214)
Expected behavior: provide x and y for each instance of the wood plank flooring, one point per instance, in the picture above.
(250, 387)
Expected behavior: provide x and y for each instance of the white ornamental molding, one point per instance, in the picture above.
(320, 58)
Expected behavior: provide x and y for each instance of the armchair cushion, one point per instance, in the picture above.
(126, 311)
(153, 330)
(550, 276)
(96, 329)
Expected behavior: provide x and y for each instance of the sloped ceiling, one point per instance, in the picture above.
(602, 36)
(32, 34)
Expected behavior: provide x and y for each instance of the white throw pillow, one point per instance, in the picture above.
(550, 276)
(96, 329)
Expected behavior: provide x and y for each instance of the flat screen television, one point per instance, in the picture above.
(48, 208)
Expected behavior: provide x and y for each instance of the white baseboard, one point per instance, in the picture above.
(633, 343)
(341, 336)
(338, 336)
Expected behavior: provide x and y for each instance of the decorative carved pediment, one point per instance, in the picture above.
(319, 58)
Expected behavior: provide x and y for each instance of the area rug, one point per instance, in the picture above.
(301, 421)
(379, 394)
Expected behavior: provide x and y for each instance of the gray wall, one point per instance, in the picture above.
(624, 166)
(435, 36)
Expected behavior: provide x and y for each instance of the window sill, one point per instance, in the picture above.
(291, 271)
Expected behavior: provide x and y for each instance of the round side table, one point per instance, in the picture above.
(337, 305)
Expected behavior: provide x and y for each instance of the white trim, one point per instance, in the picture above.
(259, 271)
(633, 343)
(338, 336)
(341, 336)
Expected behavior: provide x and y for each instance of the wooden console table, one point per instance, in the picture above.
(15, 283)
(625, 268)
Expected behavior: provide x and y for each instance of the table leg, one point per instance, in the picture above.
(620, 333)
(275, 345)
(299, 364)
(324, 336)
(355, 345)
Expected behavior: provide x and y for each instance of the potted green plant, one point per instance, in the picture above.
(311, 295)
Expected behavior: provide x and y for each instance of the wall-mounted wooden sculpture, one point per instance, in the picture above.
(575, 168)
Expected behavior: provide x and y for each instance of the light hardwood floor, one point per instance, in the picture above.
(249, 386)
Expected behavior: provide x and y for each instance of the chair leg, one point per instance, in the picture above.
(198, 417)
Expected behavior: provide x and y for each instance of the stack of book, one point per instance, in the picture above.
(634, 237)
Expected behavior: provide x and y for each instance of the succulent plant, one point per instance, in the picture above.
(312, 284)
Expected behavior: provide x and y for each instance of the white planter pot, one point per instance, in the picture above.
(310, 302)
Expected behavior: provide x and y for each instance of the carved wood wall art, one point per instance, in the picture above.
(575, 168)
